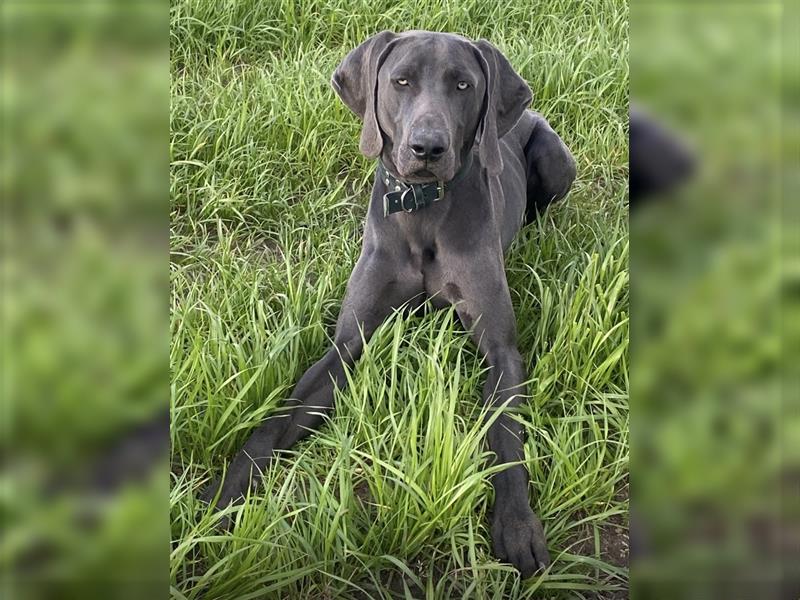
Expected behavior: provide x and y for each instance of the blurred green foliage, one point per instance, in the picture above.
(84, 176)
(708, 269)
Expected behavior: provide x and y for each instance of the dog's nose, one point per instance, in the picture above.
(428, 145)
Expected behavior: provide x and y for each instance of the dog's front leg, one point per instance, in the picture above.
(517, 533)
(376, 287)
(483, 303)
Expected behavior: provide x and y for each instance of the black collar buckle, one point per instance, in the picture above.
(439, 191)
(404, 200)
(413, 197)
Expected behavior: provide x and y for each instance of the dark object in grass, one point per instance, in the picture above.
(434, 106)
(131, 458)
(659, 160)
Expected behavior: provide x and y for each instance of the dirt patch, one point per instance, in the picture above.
(614, 543)
(362, 492)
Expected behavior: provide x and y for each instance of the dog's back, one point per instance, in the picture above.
(538, 169)
(550, 165)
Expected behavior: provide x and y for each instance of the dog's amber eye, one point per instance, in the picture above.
(462, 85)
(401, 81)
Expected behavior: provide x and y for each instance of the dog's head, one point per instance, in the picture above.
(426, 98)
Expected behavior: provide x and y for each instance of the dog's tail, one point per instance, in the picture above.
(551, 169)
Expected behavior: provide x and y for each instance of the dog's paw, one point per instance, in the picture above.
(518, 538)
(244, 472)
(229, 490)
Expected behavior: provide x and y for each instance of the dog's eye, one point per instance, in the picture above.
(401, 81)
(462, 85)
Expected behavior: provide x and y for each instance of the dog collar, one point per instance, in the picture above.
(411, 197)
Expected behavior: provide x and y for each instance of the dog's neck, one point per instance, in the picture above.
(404, 196)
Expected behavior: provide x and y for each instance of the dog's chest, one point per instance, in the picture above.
(430, 242)
(425, 256)
(425, 260)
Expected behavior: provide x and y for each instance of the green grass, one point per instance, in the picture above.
(268, 199)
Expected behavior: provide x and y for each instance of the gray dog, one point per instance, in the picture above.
(463, 165)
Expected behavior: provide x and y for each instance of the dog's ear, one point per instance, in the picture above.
(506, 98)
(356, 82)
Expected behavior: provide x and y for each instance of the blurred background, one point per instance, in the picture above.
(83, 483)
(716, 282)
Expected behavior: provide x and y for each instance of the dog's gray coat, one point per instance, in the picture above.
(427, 100)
